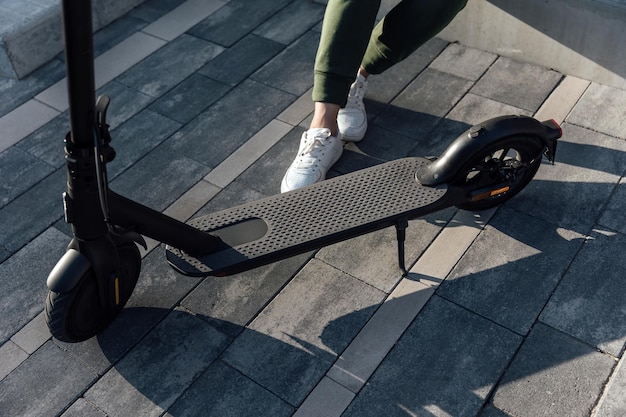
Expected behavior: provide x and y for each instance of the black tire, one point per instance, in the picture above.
(77, 315)
(514, 160)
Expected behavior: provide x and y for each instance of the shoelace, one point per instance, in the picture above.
(355, 96)
(313, 149)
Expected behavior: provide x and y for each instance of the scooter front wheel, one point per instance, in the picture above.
(500, 171)
(78, 314)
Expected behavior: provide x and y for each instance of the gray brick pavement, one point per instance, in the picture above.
(515, 312)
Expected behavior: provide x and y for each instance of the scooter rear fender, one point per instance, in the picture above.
(475, 139)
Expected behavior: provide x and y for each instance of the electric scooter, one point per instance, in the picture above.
(485, 166)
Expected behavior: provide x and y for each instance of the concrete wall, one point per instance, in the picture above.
(585, 38)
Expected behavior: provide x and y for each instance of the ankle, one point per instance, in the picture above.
(325, 116)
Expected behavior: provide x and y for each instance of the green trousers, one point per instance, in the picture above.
(349, 39)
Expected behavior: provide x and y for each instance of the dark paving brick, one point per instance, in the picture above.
(553, 372)
(384, 144)
(518, 84)
(588, 304)
(114, 33)
(44, 205)
(573, 192)
(491, 411)
(267, 172)
(28, 392)
(239, 61)
(234, 194)
(138, 384)
(239, 115)
(222, 391)
(168, 66)
(373, 258)
(17, 92)
(464, 62)
(82, 408)
(613, 215)
(291, 70)
(23, 283)
(445, 364)
(511, 269)
(190, 98)
(422, 104)
(151, 10)
(385, 87)
(125, 102)
(235, 20)
(290, 346)
(159, 178)
(137, 137)
(291, 22)
(47, 143)
(230, 303)
(19, 171)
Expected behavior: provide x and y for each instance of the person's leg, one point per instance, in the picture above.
(346, 31)
(405, 28)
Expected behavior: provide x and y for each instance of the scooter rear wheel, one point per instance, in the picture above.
(78, 315)
(505, 167)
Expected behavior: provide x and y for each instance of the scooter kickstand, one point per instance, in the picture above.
(401, 226)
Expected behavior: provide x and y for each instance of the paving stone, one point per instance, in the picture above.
(115, 32)
(215, 133)
(230, 303)
(235, 20)
(125, 103)
(17, 92)
(384, 144)
(151, 10)
(11, 356)
(573, 192)
(327, 399)
(23, 121)
(137, 137)
(292, 69)
(422, 104)
(26, 393)
(446, 363)
(32, 336)
(385, 87)
(23, 283)
(47, 143)
(516, 83)
(613, 212)
(239, 61)
(159, 178)
(19, 171)
(613, 402)
(233, 195)
(510, 271)
(293, 342)
(491, 411)
(169, 65)
(82, 408)
(190, 98)
(464, 62)
(601, 109)
(373, 257)
(588, 303)
(553, 374)
(266, 174)
(223, 392)
(138, 384)
(291, 22)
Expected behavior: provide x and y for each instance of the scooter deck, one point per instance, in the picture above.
(288, 224)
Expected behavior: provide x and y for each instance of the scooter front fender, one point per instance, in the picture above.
(475, 139)
(68, 271)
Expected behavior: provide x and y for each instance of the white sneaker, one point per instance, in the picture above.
(319, 150)
(352, 119)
